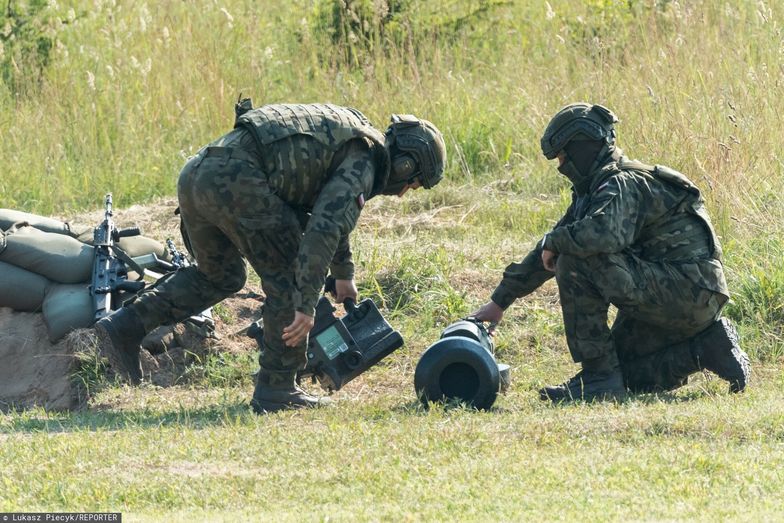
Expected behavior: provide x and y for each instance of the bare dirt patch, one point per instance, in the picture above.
(34, 372)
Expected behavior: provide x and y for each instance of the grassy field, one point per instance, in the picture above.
(128, 89)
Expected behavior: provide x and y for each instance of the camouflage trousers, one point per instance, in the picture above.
(230, 214)
(659, 311)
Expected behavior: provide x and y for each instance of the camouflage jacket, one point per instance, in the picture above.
(652, 212)
(324, 161)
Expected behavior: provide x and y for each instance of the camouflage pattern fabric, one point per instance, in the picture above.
(658, 310)
(288, 209)
(639, 239)
(329, 125)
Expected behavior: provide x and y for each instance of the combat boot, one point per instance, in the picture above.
(587, 385)
(119, 338)
(269, 397)
(717, 349)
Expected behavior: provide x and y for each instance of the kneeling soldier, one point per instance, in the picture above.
(638, 237)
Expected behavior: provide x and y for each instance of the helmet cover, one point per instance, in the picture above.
(578, 121)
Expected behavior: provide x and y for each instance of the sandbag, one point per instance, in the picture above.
(21, 290)
(86, 236)
(133, 246)
(57, 257)
(141, 245)
(9, 217)
(67, 307)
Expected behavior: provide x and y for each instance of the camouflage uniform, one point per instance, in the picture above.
(637, 237)
(283, 190)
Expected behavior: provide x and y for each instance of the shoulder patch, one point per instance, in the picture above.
(361, 200)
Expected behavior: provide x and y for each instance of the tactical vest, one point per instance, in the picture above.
(331, 125)
(673, 234)
(683, 234)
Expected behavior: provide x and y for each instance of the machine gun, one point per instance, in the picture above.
(340, 349)
(110, 265)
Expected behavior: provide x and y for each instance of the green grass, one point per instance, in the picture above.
(698, 454)
(134, 88)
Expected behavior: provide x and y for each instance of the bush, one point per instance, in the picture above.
(28, 32)
(358, 28)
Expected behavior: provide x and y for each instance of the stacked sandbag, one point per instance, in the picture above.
(44, 269)
(8, 218)
(21, 290)
(46, 272)
(67, 307)
(55, 256)
(133, 246)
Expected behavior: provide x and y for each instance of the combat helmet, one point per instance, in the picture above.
(417, 152)
(578, 121)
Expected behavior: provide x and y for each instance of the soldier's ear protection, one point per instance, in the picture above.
(404, 167)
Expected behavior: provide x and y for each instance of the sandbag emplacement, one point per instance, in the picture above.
(58, 257)
(67, 307)
(34, 372)
(9, 217)
(20, 289)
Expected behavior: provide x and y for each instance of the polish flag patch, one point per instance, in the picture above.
(361, 200)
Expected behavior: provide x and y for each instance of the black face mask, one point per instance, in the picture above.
(580, 162)
(583, 154)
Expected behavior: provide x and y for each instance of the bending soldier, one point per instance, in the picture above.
(283, 190)
(638, 237)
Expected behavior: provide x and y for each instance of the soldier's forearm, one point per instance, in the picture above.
(342, 266)
(521, 279)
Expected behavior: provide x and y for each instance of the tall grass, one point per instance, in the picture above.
(133, 88)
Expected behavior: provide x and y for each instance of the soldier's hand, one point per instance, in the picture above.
(490, 311)
(548, 260)
(298, 331)
(345, 289)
